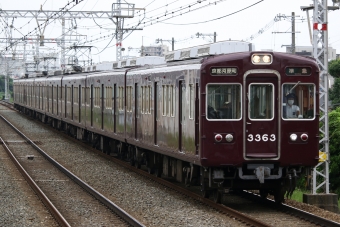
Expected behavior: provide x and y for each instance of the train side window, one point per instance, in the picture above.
(223, 102)
(172, 100)
(261, 101)
(164, 100)
(191, 101)
(298, 101)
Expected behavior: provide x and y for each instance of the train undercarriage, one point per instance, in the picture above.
(214, 182)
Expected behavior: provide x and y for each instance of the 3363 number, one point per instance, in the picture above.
(264, 137)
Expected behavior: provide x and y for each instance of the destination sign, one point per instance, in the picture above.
(298, 71)
(223, 71)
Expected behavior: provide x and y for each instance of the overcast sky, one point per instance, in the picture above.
(239, 20)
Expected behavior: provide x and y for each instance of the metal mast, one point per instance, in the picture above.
(121, 11)
(320, 52)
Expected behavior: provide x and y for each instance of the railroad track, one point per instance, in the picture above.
(70, 200)
(248, 217)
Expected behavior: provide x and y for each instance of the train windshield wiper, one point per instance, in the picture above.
(290, 91)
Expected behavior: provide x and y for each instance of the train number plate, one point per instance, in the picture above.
(264, 137)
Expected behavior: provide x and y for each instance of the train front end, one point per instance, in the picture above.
(259, 126)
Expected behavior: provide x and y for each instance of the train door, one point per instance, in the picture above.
(262, 119)
(155, 112)
(65, 101)
(196, 117)
(181, 90)
(91, 104)
(136, 111)
(102, 106)
(115, 108)
(72, 102)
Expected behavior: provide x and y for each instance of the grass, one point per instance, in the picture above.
(298, 196)
(3, 93)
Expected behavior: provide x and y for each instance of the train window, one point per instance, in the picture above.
(171, 101)
(75, 95)
(298, 101)
(108, 98)
(143, 100)
(191, 101)
(261, 101)
(129, 98)
(68, 94)
(88, 96)
(82, 96)
(121, 98)
(223, 101)
(96, 97)
(165, 92)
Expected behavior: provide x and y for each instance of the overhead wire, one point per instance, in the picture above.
(48, 21)
(218, 18)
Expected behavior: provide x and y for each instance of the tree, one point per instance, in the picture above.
(334, 68)
(334, 150)
(334, 92)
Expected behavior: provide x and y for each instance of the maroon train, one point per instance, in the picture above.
(247, 120)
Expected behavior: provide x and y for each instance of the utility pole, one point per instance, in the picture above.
(201, 34)
(120, 11)
(48, 17)
(293, 18)
(320, 53)
(320, 175)
(172, 41)
(293, 32)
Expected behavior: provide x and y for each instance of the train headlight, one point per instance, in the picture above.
(304, 137)
(266, 59)
(256, 59)
(218, 138)
(229, 137)
(261, 59)
(293, 137)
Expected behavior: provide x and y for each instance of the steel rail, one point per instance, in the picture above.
(293, 211)
(226, 210)
(112, 206)
(53, 210)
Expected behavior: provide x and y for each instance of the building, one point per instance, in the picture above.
(308, 51)
(159, 50)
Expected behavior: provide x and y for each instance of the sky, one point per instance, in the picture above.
(230, 19)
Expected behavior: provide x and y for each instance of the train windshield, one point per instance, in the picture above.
(298, 101)
(223, 101)
(261, 101)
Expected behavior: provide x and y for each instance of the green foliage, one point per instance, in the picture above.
(334, 150)
(334, 93)
(334, 68)
(2, 84)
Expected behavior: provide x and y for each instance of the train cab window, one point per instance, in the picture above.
(223, 102)
(261, 101)
(298, 101)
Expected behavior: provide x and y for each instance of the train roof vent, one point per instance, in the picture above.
(58, 72)
(185, 55)
(169, 57)
(133, 62)
(115, 65)
(123, 64)
(203, 51)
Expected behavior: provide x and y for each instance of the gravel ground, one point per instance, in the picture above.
(147, 201)
(18, 201)
(150, 203)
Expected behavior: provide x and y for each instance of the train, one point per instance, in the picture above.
(238, 121)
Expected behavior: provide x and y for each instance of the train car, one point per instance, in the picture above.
(247, 120)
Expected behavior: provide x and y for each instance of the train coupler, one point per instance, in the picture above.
(261, 172)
